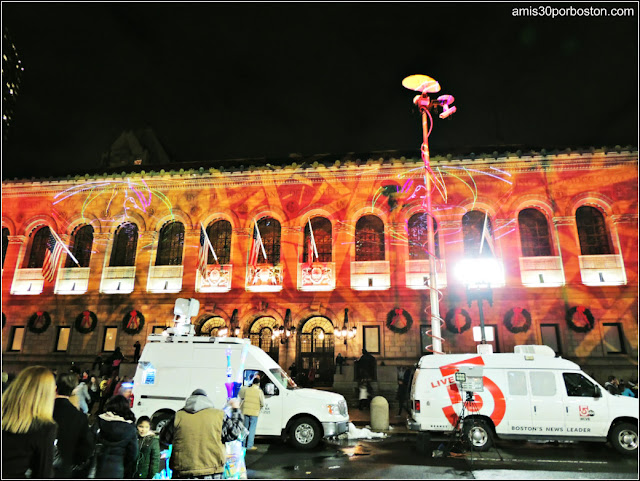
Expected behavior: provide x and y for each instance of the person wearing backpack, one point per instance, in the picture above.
(148, 461)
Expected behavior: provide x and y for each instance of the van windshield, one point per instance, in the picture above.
(283, 378)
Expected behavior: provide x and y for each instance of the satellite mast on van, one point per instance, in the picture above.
(183, 311)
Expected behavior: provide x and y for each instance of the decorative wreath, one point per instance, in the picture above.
(521, 317)
(133, 322)
(457, 320)
(39, 322)
(395, 321)
(86, 322)
(580, 319)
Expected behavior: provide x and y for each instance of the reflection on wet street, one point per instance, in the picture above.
(396, 457)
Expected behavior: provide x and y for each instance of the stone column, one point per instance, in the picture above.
(98, 261)
(240, 241)
(14, 255)
(144, 258)
(398, 253)
(568, 248)
(190, 262)
(508, 252)
(289, 257)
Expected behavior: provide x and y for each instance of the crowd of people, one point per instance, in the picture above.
(621, 387)
(71, 425)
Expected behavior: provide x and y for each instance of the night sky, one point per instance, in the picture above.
(227, 81)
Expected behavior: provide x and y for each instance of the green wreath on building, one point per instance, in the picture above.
(133, 322)
(39, 322)
(580, 319)
(515, 313)
(86, 322)
(395, 321)
(452, 320)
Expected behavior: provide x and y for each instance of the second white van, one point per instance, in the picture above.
(171, 367)
(528, 395)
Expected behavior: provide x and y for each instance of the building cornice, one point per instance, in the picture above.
(294, 174)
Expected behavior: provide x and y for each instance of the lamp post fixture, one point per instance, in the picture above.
(480, 295)
(426, 85)
(286, 329)
(346, 332)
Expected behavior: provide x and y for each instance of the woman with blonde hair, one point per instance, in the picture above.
(28, 428)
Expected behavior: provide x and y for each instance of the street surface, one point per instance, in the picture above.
(396, 457)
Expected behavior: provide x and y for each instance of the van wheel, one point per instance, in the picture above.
(159, 420)
(477, 433)
(305, 433)
(624, 437)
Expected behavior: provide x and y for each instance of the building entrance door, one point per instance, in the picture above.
(316, 352)
(261, 335)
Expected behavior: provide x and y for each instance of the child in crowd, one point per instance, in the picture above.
(148, 461)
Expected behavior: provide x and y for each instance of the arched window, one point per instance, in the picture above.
(321, 227)
(418, 238)
(125, 243)
(81, 249)
(270, 233)
(472, 225)
(534, 233)
(592, 232)
(5, 243)
(219, 234)
(262, 335)
(210, 326)
(41, 239)
(170, 244)
(369, 239)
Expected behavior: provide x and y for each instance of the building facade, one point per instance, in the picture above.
(297, 256)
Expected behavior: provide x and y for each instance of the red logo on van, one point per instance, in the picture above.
(499, 404)
(584, 411)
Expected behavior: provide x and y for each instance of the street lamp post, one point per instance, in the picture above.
(426, 85)
(480, 295)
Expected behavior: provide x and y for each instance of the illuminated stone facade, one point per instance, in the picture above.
(313, 297)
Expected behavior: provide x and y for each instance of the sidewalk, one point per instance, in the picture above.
(397, 424)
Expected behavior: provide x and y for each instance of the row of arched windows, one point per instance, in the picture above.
(369, 239)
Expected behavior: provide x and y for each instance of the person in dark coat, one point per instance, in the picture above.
(148, 462)
(136, 351)
(117, 440)
(367, 365)
(115, 360)
(75, 440)
(28, 428)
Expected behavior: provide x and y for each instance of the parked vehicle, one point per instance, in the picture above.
(171, 367)
(528, 395)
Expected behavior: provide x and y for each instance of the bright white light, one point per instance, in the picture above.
(321, 335)
(480, 272)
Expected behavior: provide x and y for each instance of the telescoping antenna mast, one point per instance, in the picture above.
(426, 85)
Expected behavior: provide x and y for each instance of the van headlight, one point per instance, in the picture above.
(333, 408)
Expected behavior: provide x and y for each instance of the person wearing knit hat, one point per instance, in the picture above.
(198, 433)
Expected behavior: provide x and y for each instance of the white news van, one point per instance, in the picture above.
(528, 395)
(172, 367)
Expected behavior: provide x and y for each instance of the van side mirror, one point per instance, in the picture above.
(598, 392)
(269, 389)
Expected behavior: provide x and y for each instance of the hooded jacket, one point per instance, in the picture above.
(148, 461)
(119, 446)
(198, 433)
